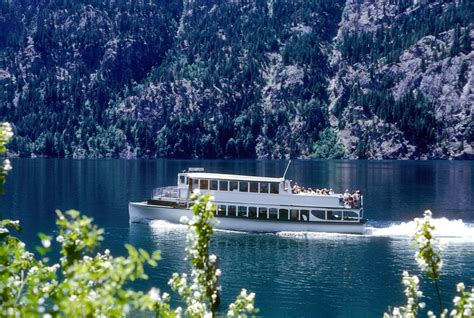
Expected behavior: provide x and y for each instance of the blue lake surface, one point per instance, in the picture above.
(293, 274)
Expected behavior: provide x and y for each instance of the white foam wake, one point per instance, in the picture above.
(315, 235)
(161, 225)
(444, 229)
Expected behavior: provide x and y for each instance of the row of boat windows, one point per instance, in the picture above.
(284, 214)
(241, 186)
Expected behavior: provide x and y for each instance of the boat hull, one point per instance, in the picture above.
(141, 212)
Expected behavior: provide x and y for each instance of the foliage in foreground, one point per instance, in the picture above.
(428, 257)
(89, 284)
(85, 283)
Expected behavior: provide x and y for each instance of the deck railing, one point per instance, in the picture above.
(165, 192)
(170, 192)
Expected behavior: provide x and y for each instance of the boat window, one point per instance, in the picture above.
(262, 213)
(223, 185)
(231, 210)
(195, 183)
(274, 188)
(204, 184)
(242, 211)
(263, 187)
(243, 186)
(234, 185)
(182, 179)
(253, 186)
(294, 215)
(350, 216)
(272, 213)
(222, 210)
(319, 214)
(283, 214)
(334, 215)
(213, 185)
(304, 215)
(252, 212)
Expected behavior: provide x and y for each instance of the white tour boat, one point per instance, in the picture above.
(255, 204)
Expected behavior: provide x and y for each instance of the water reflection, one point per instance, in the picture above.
(329, 274)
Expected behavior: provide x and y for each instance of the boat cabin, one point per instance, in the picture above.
(231, 183)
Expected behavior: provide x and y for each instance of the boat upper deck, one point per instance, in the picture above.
(236, 177)
(253, 189)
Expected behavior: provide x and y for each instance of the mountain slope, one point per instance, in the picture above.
(404, 84)
(247, 79)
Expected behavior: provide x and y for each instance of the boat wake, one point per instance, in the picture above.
(444, 229)
(165, 226)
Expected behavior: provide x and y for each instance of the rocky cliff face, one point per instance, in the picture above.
(249, 78)
(430, 66)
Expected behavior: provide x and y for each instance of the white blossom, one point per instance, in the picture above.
(154, 294)
(7, 130)
(126, 309)
(456, 300)
(46, 243)
(7, 165)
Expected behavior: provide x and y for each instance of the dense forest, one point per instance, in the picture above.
(232, 79)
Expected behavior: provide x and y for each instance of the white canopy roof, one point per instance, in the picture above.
(237, 177)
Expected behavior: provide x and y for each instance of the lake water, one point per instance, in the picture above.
(293, 274)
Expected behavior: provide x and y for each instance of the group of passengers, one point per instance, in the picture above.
(351, 199)
(302, 190)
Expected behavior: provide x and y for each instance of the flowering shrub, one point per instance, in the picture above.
(6, 135)
(85, 283)
(428, 257)
(428, 250)
(412, 293)
(202, 296)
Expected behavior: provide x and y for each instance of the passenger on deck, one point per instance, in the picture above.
(296, 189)
(356, 197)
(346, 195)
